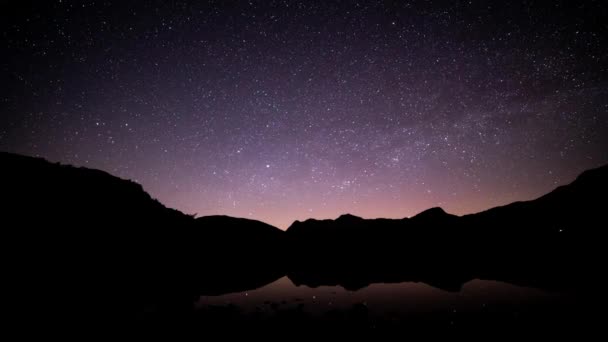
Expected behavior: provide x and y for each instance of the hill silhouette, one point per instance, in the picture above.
(549, 242)
(76, 231)
(237, 254)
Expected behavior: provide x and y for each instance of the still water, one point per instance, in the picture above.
(384, 301)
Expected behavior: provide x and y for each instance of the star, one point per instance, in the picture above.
(380, 110)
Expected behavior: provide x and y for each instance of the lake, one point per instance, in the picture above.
(396, 303)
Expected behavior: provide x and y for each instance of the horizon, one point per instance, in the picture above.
(283, 111)
(285, 227)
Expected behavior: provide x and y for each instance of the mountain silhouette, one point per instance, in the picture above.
(237, 254)
(73, 232)
(70, 232)
(434, 215)
(548, 242)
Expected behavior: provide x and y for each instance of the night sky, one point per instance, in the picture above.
(285, 110)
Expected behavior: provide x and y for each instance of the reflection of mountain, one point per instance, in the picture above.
(76, 231)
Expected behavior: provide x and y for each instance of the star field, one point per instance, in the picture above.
(285, 110)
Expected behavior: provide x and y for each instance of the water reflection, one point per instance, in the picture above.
(382, 300)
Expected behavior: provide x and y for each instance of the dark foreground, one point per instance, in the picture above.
(89, 252)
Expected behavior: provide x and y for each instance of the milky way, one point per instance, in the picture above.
(285, 110)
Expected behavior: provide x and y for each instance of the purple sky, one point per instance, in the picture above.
(285, 110)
